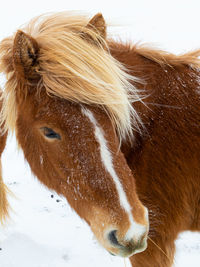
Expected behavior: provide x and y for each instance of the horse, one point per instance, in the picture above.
(111, 126)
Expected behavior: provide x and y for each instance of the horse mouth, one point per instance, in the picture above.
(126, 248)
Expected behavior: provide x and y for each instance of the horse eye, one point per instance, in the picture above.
(49, 133)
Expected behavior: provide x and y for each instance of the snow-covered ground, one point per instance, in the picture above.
(43, 230)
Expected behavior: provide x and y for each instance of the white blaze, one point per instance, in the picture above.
(135, 230)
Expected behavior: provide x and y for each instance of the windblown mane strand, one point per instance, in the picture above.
(161, 57)
(73, 68)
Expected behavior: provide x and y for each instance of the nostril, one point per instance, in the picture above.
(112, 238)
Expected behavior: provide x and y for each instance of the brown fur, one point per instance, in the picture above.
(163, 163)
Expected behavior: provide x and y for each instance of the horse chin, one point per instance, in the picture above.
(129, 250)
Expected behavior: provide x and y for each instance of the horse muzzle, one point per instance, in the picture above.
(125, 248)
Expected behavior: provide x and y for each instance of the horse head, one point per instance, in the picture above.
(69, 102)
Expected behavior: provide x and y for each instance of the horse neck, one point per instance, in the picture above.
(141, 68)
(169, 149)
(171, 94)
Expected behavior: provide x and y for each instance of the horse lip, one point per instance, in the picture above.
(128, 252)
(130, 249)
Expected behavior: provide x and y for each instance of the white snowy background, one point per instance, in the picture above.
(43, 230)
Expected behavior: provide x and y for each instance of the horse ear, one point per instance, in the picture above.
(25, 56)
(98, 24)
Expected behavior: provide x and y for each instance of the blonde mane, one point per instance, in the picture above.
(164, 58)
(73, 68)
